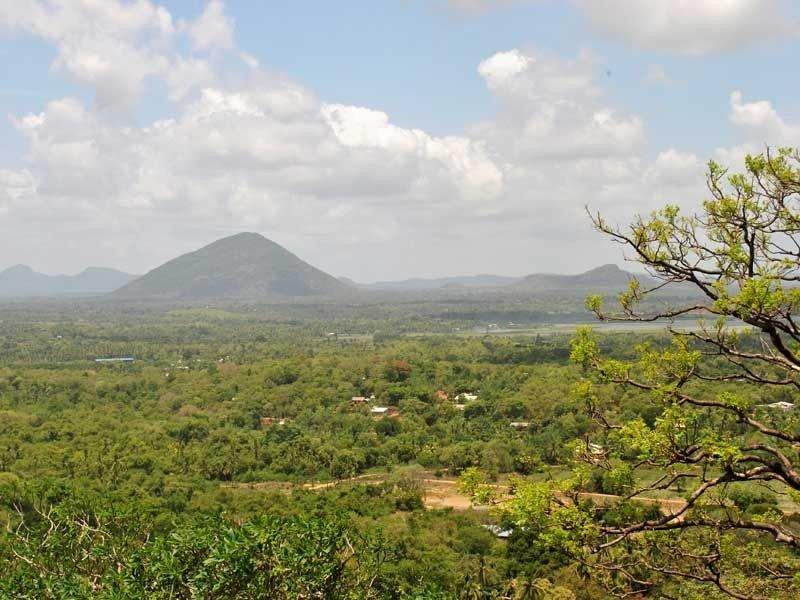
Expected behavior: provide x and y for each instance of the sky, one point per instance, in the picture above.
(375, 139)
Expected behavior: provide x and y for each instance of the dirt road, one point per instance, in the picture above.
(443, 493)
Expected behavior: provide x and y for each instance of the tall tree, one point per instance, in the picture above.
(725, 387)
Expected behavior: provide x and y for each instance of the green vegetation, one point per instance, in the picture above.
(133, 460)
(718, 431)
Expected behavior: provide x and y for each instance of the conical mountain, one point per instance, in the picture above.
(246, 266)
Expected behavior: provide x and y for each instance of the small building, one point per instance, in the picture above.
(121, 359)
(441, 395)
(468, 396)
(355, 400)
(499, 531)
(459, 406)
(784, 406)
(379, 412)
(520, 424)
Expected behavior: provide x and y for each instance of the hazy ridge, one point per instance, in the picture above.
(23, 281)
(248, 266)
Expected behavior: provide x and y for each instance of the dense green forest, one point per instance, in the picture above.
(185, 472)
(148, 451)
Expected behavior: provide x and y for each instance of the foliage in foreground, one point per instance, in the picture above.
(715, 432)
(60, 553)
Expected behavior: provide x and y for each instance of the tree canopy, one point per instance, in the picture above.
(719, 435)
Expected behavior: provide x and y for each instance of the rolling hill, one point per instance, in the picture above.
(22, 281)
(246, 266)
(603, 278)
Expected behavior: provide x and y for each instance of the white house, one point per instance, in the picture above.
(378, 412)
(499, 531)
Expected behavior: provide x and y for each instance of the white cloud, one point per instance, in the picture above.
(691, 26)
(675, 168)
(15, 185)
(111, 46)
(758, 125)
(250, 60)
(461, 160)
(68, 19)
(760, 120)
(266, 155)
(213, 30)
(344, 186)
(553, 107)
(186, 75)
(498, 69)
(529, 75)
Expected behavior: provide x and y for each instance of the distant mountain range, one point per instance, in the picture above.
(249, 267)
(600, 278)
(21, 281)
(246, 266)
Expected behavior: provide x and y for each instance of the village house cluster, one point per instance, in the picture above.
(459, 401)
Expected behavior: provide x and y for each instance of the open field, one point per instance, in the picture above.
(442, 492)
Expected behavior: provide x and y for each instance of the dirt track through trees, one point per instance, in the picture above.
(443, 493)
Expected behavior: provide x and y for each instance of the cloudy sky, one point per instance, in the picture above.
(377, 139)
